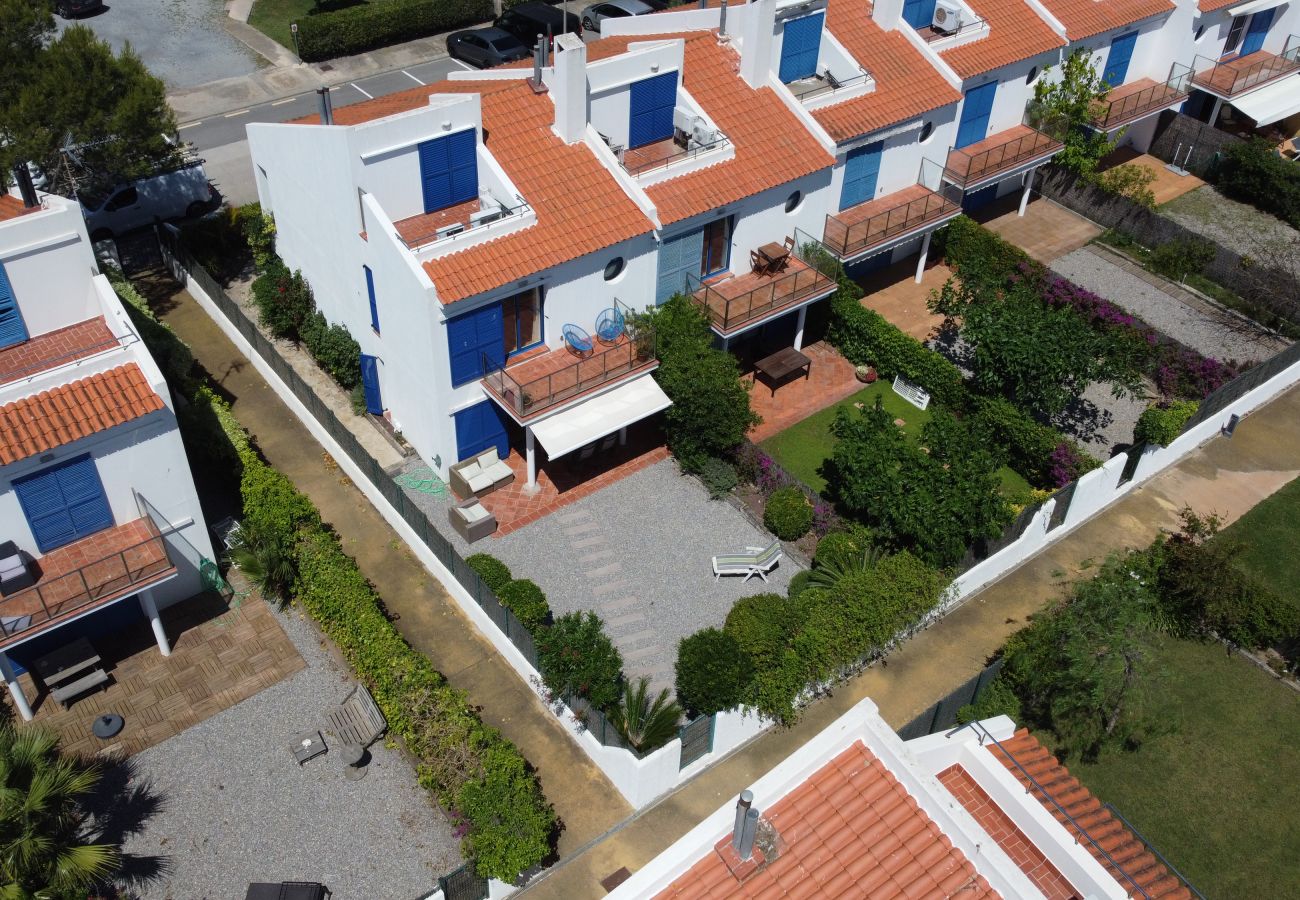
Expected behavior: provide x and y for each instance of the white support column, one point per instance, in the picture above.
(622, 436)
(726, 343)
(530, 451)
(798, 332)
(925, 255)
(1029, 186)
(151, 610)
(15, 689)
(1214, 113)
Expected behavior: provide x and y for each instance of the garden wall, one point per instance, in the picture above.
(1177, 133)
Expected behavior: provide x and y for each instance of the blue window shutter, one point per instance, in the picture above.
(1117, 60)
(975, 110)
(370, 385)
(64, 503)
(471, 337)
(918, 13)
(370, 292)
(861, 169)
(480, 427)
(678, 256)
(1260, 23)
(651, 109)
(464, 166)
(84, 495)
(12, 329)
(449, 170)
(800, 43)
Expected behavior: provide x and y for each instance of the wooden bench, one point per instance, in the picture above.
(65, 692)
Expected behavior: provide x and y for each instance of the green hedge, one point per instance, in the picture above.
(527, 601)
(1160, 423)
(979, 254)
(788, 514)
(382, 23)
(1028, 445)
(1254, 173)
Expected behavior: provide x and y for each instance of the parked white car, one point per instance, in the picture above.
(181, 193)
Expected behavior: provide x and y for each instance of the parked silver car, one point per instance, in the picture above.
(593, 15)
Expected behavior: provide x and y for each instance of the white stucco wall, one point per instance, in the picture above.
(49, 261)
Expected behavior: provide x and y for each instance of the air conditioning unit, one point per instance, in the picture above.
(701, 135)
(683, 120)
(948, 17)
(485, 215)
(447, 231)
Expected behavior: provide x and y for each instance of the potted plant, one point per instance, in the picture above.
(865, 374)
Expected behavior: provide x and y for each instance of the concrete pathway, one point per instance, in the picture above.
(1227, 476)
(587, 803)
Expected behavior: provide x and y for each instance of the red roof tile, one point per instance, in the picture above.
(64, 414)
(1214, 5)
(850, 830)
(11, 207)
(1016, 33)
(907, 85)
(1084, 18)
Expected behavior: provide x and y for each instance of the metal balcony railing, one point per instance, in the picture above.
(1235, 76)
(741, 299)
(1115, 112)
(826, 84)
(639, 160)
(845, 234)
(472, 222)
(969, 165)
(930, 34)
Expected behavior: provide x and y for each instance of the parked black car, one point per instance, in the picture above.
(70, 9)
(485, 47)
(527, 20)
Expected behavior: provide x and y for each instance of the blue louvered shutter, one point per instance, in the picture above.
(975, 110)
(800, 44)
(64, 503)
(1260, 23)
(449, 170)
(652, 101)
(1117, 60)
(370, 292)
(12, 329)
(861, 169)
(678, 256)
(480, 427)
(918, 13)
(370, 385)
(470, 338)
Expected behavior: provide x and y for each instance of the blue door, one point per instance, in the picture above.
(653, 100)
(678, 256)
(449, 170)
(978, 199)
(476, 344)
(918, 13)
(480, 427)
(975, 112)
(1117, 60)
(799, 47)
(370, 384)
(1260, 22)
(861, 168)
(12, 329)
(64, 503)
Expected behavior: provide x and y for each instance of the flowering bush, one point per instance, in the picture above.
(1069, 462)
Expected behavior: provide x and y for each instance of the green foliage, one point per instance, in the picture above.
(983, 259)
(25, 26)
(710, 413)
(645, 723)
(1182, 257)
(494, 572)
(283, 300)
(719, 477)
(1160, 423)
(357, 399)
(1254, 173)
(355, 29)
(713, 671)
(831, 568)
(997, 699)
(526, 600)
(577, 659)
(225, 243)
(1067, 105)
(269, 561)
(48, 848)
(339, 354)
(258, 229)
(788, 514)
(798, 583)
(838, 546)
(1130, 181)
(77, 89)
(1028, 444)
(761, 625)
(510, 821)
(170, 352)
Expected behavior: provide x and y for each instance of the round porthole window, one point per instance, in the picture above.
(1032, 76)
(926, 130)
(614, 268)
(792, 202)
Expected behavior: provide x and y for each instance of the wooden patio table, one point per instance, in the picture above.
(782, 363)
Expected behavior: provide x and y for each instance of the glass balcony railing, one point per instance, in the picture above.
(740, 300)
(876, 222)
(1117, 110)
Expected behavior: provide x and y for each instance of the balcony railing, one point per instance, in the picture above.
(973, 23)
(1117, 111)
(995, 157)
(470, 221)
(62, 589)
(826, 84)
(846, 235)
(743, 299)
(1235, 76)
(639, 160)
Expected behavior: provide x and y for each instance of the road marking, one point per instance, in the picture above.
(412, 77)
(464, 66)
(367, 96)
(284, 101)
(188, 125)
(238, 112)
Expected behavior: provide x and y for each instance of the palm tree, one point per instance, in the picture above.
(265, 562)
(827, 573)
(44, 845)
(645, 725)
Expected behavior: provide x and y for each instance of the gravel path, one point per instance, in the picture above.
(1204, 328)
(1237, 226)
(237, 808)
(1101, 422)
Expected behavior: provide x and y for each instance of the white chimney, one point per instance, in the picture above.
(569, 87)
(756, 41)
(889, 14)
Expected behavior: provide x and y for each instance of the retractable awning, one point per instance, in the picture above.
(1254, 6)
(603, 414)
(1272, 102)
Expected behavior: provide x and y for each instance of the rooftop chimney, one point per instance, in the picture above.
(24, 179)
(569, 87)
(326, 106)
(722, 19)
(756, 36)
(742, 835)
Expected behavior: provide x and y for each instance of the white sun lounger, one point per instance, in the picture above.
(754, 561)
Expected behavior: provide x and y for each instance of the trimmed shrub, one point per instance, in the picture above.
(762, 625)
(719, 477)
(713, 671)
(526, 600)
(577, 659)
(357, 28)
(339, 354)
(1160, 423)
(1028, 444)
(1253, 173)
(798, 583)
(1181, 257)
(838, 546)
(997, 699)
(494, 572)
(788, 514)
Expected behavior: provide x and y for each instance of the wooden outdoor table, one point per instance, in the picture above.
(66, 662)
(783, 363)
(776, 255)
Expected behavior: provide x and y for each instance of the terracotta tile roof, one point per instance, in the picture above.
(54, 348)
(907, 85)
(1109, 832)
(772, 147)
(1016, 33)
(1084, 18)
(11, 207)
(850, 830)
(56, 417)
(1214, 5)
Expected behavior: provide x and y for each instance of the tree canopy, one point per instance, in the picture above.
(1066, 107)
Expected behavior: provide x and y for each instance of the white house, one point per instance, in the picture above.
(102, 524)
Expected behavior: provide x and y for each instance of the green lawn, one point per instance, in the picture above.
(1219, 795)
(1272, 540)
(804, 446)
(272, 18)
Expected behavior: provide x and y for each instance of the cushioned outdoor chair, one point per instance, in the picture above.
(754, 561)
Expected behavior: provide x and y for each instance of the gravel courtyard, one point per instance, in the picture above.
(1237, 226)
(237, 808)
